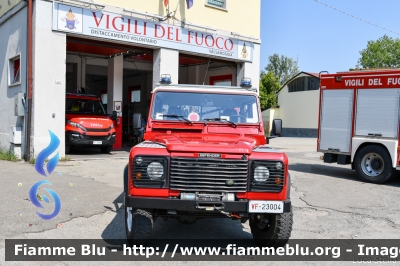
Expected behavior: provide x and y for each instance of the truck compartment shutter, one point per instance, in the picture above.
(336, 120)
(377, 112)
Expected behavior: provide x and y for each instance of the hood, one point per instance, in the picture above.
(210, 143)
(92, 122)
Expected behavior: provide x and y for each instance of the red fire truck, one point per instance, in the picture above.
(205, 156)
(359, 122)
(87, 123)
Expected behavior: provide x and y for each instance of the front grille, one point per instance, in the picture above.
(211, 175)
(98, 129)
(276, 179)
(95, 137)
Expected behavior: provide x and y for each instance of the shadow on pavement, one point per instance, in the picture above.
(96, 150)
(206, 228)
(337, 172)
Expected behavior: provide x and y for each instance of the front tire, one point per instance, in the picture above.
(138, 225)
(373, 164)
(272, 230)
(67, 148)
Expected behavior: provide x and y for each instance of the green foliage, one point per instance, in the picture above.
(65, 159)
(269, 86)
(382, 53)
(8, 156)
(283, 67)
(32, 160)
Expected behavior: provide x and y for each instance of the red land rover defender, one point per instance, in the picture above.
(204, 155)
(87, 123)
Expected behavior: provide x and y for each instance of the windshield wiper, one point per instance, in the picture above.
(219, 120)
(179, 117)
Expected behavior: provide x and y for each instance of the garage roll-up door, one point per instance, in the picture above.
(336, 116)
(377, 112)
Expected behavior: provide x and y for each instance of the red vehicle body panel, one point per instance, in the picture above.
(185, 140)
(366, 79)
(97, 125)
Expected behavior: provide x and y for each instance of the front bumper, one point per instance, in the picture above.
(190, 205)
(75, 138)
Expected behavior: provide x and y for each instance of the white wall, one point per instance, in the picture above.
(49, 57)
(165, 61)
(268, 117)
(251, 70)
(13, 32)
(298, 109)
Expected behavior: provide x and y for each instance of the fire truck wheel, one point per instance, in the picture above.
(271, 230)
(138, 225)
(106, 149)
(67, 148)
(373, 164)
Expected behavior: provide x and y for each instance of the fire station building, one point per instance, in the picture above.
(116, 50)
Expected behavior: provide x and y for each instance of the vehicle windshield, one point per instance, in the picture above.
(82, 106)
(205, 107)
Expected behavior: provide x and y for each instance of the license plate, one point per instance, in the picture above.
(264, 206)
(97, 142)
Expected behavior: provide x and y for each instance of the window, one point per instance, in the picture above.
(200, 107)
(304, 84)
(223, 80)
(84, 106)
(14, 70)
(104, 97)
(216, 3)
(223, 83)
(135, 96)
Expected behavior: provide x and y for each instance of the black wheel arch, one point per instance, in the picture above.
(126, 178)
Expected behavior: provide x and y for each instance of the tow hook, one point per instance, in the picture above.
(237, 216)
(230, 215)
(225, 213)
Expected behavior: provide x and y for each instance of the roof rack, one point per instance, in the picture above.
(206, 87)
(369, 69)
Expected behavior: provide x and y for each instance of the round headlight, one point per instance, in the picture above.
(261, 174)
(155, 170)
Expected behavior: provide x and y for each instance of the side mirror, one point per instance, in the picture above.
(137, 120)
(276, 127)
(114, 115)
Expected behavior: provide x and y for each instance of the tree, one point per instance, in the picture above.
(269, 86)
(283, 67)
(382, 53)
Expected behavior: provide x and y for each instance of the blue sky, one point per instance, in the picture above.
(322, 38)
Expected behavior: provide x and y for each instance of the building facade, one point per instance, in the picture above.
(116, 50)
(298, 103)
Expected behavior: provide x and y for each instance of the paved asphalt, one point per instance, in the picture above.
(329, 201)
